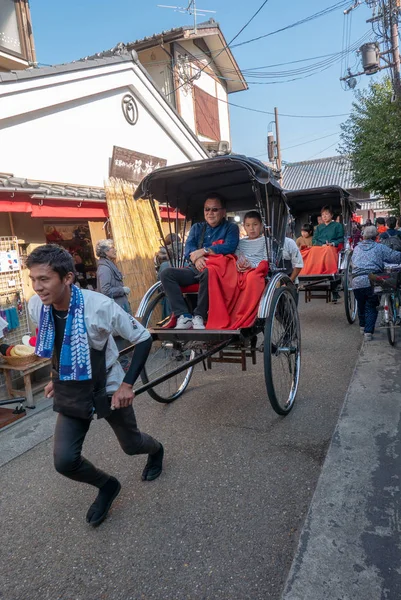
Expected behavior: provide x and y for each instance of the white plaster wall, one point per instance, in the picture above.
(209, 85)
(158, 64)
(70, 138)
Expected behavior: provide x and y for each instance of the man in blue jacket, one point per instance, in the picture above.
(215, 235)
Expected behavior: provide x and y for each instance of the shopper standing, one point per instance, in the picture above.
(110, 283)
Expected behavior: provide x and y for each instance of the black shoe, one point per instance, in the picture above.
(154, 466)
(101, 506)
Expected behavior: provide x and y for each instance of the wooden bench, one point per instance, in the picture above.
(26, 372)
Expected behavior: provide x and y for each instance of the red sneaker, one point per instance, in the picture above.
(168, 323)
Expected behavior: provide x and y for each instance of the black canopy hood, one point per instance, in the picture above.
(185, 186)
(313, 199)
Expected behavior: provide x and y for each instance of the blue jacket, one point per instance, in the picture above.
(226, 231)
(369, 257)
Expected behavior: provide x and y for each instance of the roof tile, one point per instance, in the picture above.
(334, 170)
(56, 190)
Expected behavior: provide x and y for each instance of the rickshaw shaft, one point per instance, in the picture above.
(184, 367)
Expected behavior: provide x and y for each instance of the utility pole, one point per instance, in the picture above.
(278, 160)
(394, 6)
(387, 16)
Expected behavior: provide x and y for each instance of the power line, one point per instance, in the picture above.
(321, 13)
(303, 143)
(222, 50)
(321, 152)
(251, 71)
(266, 112)
(311, 141)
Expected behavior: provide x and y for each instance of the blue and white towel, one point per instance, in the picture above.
(75, 363)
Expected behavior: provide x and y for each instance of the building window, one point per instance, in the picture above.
(9, 31)
(206, 114)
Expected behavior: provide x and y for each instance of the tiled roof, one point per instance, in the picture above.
(176, 30)
(114, 56)
(52, 190)
(335, 170)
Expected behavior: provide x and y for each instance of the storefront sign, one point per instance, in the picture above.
(133, 166)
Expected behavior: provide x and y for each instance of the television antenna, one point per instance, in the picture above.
(190, 10)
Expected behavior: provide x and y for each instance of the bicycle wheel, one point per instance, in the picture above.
(390, 315)
(282, 351)
(350, 303)
(164, 357)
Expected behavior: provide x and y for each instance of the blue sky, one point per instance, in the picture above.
(65, 31)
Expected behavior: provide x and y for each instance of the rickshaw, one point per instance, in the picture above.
(247, 184)
(306, 204)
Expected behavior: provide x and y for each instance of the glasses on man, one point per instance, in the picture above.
(212, 209)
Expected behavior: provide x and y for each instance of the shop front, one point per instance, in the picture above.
(30, 215)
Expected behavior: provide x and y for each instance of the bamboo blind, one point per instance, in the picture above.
(135, 235)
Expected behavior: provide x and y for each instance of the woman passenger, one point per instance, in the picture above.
(329, 233)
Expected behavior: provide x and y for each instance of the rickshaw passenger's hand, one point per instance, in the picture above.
(123, 397)
(197, 254)
(200, 263)
(48, 390)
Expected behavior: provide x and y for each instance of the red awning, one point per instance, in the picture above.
(13, 206)
(69, 212)
(169, 213)
(56, 209)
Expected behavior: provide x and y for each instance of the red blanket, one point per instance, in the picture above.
(320, 260)
(233, 297)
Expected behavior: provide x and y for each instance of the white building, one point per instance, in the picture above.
(196, 72)
(58, 128)
(60, 123)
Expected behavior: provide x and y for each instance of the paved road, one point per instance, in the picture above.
(223, 520)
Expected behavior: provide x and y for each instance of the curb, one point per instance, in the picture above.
(350, 544)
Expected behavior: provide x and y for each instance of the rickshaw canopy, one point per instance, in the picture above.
(237, 178)
(312, 200)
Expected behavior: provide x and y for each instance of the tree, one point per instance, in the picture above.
(371, 137)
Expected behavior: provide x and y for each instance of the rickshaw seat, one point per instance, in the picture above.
(190, 289)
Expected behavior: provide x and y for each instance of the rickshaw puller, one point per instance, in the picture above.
(215, 235)
(76, 329)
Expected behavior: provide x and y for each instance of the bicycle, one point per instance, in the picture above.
(388, 285)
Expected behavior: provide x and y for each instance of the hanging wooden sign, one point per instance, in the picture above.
(133, 166)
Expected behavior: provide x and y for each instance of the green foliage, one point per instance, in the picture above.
(371, 137)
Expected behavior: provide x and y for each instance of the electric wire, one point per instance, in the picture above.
(312, 17)
(303, 143)
(323, 137)
(321, 152)
(266, 112)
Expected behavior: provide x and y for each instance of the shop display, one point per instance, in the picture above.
(9, 261)
(77, 240)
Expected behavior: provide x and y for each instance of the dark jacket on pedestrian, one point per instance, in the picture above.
(370, 257)
(110, 283)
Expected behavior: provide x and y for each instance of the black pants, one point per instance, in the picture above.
(367, 308)
(69, 437)
(173, 279)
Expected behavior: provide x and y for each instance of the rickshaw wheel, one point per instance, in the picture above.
(164, 357)
(282, 351)
(350, 303)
